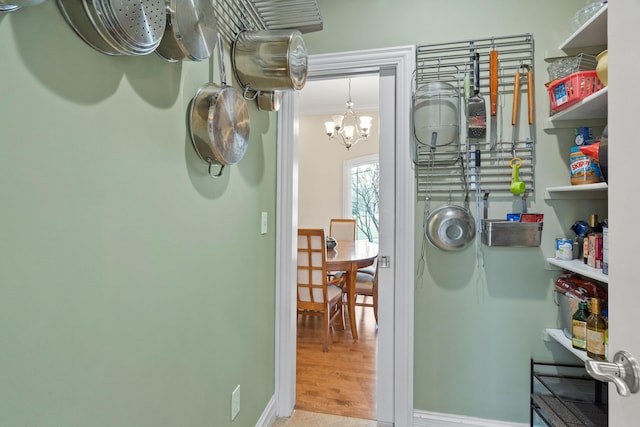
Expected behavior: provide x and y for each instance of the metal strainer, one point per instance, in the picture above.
(117, 27)
(137, 25)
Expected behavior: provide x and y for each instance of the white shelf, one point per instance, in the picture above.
(559, 336)
(592, 33)
(579, 267)
(594, 106)
(585, 191)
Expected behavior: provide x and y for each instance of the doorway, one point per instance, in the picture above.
(395, 358)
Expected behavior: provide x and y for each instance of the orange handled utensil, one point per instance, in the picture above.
(530, 99)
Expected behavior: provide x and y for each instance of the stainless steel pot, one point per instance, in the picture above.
(190, 32)
(450, 228)
(219, 122)
(117, 27)
(13, 5)
(269, 101)
(268, 60)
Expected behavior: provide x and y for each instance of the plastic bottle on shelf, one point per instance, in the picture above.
(596, 332)
(579, 327)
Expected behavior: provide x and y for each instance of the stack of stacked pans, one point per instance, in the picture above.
(117, 27)
(12, 5)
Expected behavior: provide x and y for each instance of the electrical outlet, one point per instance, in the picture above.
(235, 403)
(263, 223)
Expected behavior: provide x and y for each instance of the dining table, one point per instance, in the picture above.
(349, 256)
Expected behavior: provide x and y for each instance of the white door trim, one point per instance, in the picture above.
(395, 400)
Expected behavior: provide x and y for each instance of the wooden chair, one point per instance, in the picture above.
(342, 229)
(318, 294)
(367, 285)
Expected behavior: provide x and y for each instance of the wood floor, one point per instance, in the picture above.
(342, 380)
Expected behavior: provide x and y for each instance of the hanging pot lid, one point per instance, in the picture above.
(450, 228)
(190, 32)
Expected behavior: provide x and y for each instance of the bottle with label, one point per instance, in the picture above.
(594, 227)
(579, 327)
(596, 331)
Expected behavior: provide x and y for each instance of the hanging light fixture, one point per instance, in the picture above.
(348, 128)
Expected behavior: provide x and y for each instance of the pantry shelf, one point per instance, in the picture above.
(559, 336)
(595, 106)
(593, 191)
(579, 267)
(592, 33)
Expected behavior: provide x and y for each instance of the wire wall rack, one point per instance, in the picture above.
(454, 168)
(235, 16)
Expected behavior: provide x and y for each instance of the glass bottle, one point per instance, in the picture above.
(596, 329)
(579, 327)
(594, 227)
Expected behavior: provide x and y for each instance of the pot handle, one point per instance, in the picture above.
(245, 95)
(223, 74)
(218, 174)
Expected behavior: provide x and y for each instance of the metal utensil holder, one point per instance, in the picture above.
(499, 232)
(490, 172)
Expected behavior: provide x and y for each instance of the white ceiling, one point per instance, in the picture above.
(330, 96)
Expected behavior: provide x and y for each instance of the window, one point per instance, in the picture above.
(361, 190)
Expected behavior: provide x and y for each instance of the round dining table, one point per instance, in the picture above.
(349, 256)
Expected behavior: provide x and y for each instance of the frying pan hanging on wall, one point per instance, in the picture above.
(219, 122)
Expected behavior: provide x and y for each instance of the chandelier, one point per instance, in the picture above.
(348, 128)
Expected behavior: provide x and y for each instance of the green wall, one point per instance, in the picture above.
(135, 290)
(477, 323)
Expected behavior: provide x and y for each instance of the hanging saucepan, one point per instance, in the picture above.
(190, 32)
(269, 101)
(268, 60)
(219, 122)
(13, 5)
(117, 27)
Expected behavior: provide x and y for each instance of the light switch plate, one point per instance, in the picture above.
(235, 402)
(264, 223)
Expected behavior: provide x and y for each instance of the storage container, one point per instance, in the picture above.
(575, 87)
(498, 232)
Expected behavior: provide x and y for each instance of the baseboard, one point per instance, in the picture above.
(268, 416)
(420, 419)
(434, 419)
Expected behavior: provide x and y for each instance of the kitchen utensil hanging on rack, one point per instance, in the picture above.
(517, 187)
(476, 108)
(451, 227)
(493, 94)
(13, 5)
(117, 27)
(219, 122)
(516, 102)
(191, 31)
(436, 114)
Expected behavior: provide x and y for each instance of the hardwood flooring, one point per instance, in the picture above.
(342, 380)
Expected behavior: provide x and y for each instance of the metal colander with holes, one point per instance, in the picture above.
(117, 27)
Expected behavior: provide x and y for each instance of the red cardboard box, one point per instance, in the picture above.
(595, 250)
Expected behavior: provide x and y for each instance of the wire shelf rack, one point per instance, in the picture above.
(444, 171)
(235, 16)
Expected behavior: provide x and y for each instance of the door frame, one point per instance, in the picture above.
(394, 397)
